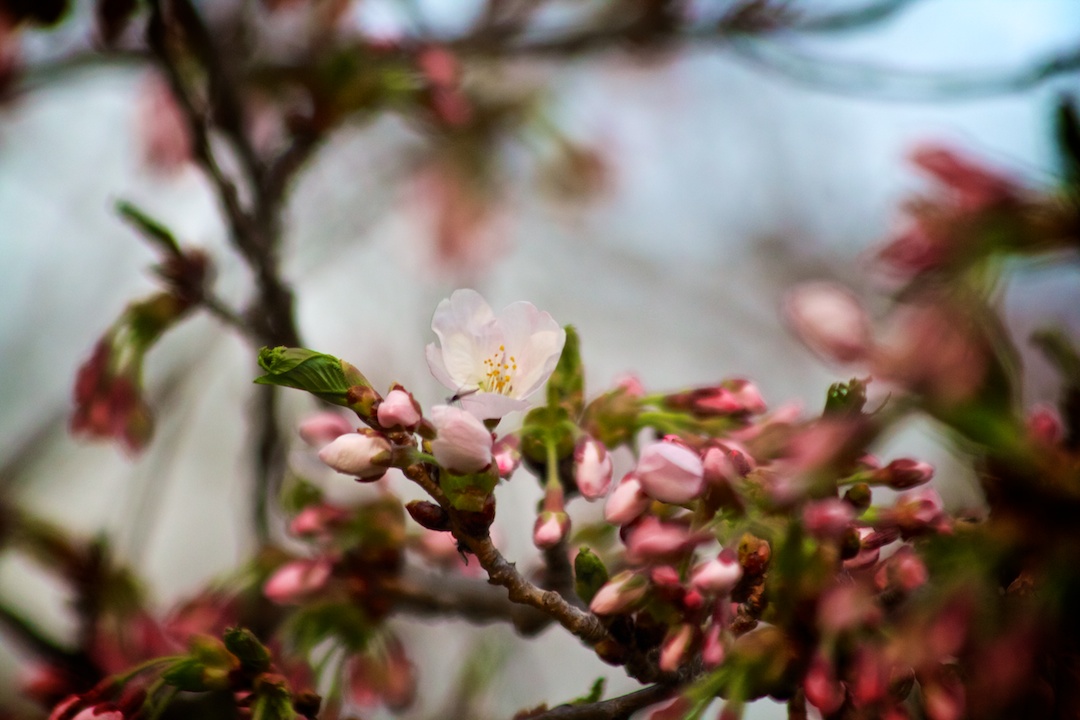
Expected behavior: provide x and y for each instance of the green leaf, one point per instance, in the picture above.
(566, 387)
(596, 692)
(322, 375)
(149, 227)
(589, 574)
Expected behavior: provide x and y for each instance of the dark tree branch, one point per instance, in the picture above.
(884, 83)
(581, 623)
(854, 19)
(619, 708)
(26, 634)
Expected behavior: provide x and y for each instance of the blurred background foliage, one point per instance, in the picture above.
(657, 173)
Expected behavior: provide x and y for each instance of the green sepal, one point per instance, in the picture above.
(324, 376)
(547, 425)
(252, 654)
(147, 319)
(186, 675)
(469, 492)
(207, 666)
(272, 699)
(612, 418)
(845, 399)
(566, 386)
(590, 574)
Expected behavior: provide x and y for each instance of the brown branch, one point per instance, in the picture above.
(26, 634)
(584, 625)
(224, 97)
(619, 708)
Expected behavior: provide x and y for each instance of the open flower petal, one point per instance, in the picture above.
(492, 363)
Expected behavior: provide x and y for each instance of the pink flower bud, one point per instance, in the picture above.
(828, 518)
(718, 576)
(723, 464)
(973, 186)
(908, 570)
(822, 689)
(592, 468)
(665, 576)
(675, 646)
(627, 502)
(618, 594)
(712, 650)
(670, 473)
(317, 520)
(630, 384)
(867, 556)
(399, 409)
(869, 677)
(365, 454)
(295, 581)
(905, 473)
(507, 455)
(844, 607)
(652, 540)
(462, 444)
(730, 398)
(550, 529)
(830, 321)
(99, 712)
(323, 428)
(62, 708)
(1044, 425)
(918, 511)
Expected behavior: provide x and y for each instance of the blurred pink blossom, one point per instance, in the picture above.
(295, 581)
(829, 320)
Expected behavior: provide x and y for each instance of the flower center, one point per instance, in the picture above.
(499, 372)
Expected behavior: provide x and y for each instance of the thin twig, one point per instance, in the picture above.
(619, 708)
(851, 19)
(886, 83)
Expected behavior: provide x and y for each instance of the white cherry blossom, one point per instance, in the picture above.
(492, 362)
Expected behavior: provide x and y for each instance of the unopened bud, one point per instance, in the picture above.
(428, 515)
(399, 410)
(589, 574)
(364, 454)
(670, 472)
(718, 576)
(619, 594)
(550, 529)
(627, 502)
(321, 429)
(251, 653)
(592, 469)
(675, 647)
